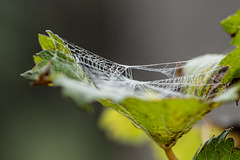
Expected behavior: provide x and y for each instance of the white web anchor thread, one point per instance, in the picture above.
(106, 73)
(98, 64)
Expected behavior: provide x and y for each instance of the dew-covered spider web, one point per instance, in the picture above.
(183, 78)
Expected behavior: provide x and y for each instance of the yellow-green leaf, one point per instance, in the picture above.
(120, 128)
(165, 121)
(57, 42)
(232, 25)
(232, 61)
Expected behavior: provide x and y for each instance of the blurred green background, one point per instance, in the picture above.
(36, 123)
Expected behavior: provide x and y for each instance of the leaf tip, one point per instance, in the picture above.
(48, 31)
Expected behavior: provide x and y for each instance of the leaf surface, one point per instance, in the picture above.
(166, 120)
(120, 128)
(232, 61)
(219, 148)
(232, 25)
(163, 120)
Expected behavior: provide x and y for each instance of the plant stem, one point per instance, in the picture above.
(170, 154)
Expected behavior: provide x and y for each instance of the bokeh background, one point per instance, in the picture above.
(37, 124)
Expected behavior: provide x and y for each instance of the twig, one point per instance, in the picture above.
(170, 154)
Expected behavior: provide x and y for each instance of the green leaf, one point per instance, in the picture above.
(56, 41)
(59, 63)
(34, 73)
(232, 61)
(37, 59)
(207, 65)
(53, 42)
(218, 148)
(53, 66)
(165, 121)
(185, 148)
(46, 42)
(84, 92)
(231, 25)
(120, 129)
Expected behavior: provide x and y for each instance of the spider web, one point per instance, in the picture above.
(105, 73)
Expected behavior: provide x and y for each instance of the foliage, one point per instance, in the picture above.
(163, 120)
(219, 148)
(231, 25)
